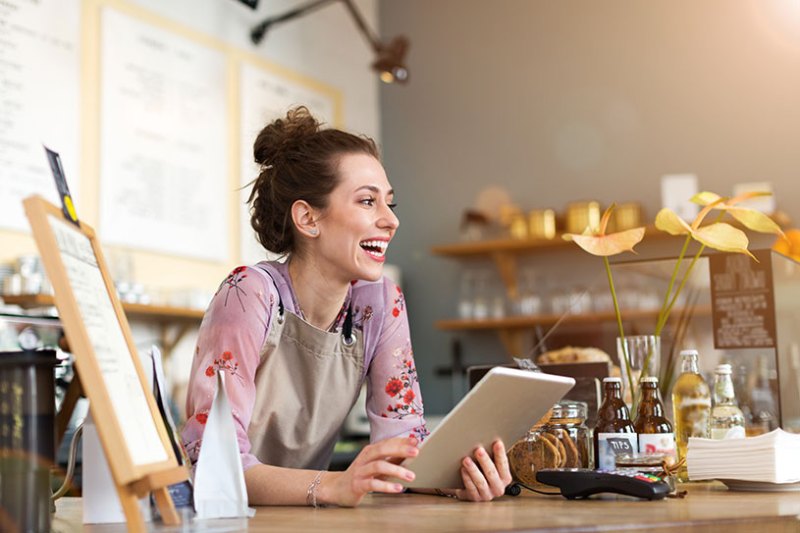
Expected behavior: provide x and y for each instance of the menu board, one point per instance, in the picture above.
(108, 341)
(742, 300)
(39, 65)
(265, 96)
(164, 147)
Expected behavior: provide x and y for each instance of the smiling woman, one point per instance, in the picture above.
(299, 338)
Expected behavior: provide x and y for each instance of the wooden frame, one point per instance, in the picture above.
(137, 448)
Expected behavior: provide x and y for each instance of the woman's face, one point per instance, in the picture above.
(358, 224)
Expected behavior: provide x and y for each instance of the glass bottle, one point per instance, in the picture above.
(654, 430)
(727, 420)
(691, 404)
(614, 434)
(762, 400)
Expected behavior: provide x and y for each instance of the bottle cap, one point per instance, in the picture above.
(649, 379)
(724, 368)
(612, 380)
(689, 352)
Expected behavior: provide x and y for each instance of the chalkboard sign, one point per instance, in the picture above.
(131, 429)
(742, 300)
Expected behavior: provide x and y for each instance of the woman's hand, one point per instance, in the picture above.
(485, 477)
(368, 472)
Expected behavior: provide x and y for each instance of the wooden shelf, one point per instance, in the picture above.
(132, 310)
(517, 246)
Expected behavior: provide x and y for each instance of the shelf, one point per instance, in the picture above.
(184, 318)
(517, 246)
(511, 328)
(132, 310)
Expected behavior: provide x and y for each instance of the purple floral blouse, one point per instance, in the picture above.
(235, 328)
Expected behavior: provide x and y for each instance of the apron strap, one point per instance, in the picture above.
(347, 328)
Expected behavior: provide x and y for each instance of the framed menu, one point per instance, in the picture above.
(742, 300)
(131, 430)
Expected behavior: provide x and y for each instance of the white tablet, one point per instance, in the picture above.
(503, 405)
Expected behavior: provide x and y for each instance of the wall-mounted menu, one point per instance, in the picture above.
(742, 300)
(39, 102)
(164, 141)
(265, 96)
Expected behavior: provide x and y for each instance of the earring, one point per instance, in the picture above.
(313, 231)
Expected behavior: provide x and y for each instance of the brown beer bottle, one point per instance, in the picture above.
(654, 430)
(614, 434)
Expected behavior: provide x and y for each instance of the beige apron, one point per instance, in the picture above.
(306, 383)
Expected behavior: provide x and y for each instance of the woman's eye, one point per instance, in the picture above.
(368, 201)
(392, 206)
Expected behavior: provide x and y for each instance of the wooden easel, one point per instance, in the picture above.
(132, 433)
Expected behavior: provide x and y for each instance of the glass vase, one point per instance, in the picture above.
(641, 355)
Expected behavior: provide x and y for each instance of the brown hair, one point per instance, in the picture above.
(298, 162)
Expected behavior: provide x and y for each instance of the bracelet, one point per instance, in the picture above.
(311, 493)
(440, 492)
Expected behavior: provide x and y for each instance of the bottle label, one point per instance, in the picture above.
(736, 432)
(610, 445)
(692, 402)
(657, 443)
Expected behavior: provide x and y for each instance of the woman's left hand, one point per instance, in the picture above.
(485, 476)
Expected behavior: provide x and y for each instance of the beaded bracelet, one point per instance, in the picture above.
(311, 494)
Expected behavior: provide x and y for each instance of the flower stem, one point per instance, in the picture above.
(619, 324)
(680, 287)
(662, 320)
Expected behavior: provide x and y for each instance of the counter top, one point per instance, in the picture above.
(707, 507)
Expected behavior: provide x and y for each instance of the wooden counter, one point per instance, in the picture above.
(707, 507)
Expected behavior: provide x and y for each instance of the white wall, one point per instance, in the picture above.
(323, 44)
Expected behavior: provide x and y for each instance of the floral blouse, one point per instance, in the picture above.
(235, 328)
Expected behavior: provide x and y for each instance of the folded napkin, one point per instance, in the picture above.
(771, 458)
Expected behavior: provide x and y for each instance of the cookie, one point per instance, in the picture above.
(571, 453)
(562, 452)
(528, 456)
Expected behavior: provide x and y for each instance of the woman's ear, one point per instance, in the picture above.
(305, 218)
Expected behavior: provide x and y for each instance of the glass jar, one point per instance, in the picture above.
(568, 425)
(536, 451)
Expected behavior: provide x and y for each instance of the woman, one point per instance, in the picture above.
(298, 339)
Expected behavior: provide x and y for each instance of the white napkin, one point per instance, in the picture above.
(219, 489)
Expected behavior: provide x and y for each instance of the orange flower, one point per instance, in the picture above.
(789, 244)
(227, 356)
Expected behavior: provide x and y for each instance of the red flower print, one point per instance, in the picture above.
(398, 406)
(395, 312)
(394, 386)
(408, 397)
(238, 269)
(202, 418)
(227, 356)
(210, 371)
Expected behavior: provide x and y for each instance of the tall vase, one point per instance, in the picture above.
(639, 356)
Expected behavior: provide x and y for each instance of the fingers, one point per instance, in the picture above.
(501, 463)
(396, 448)
(485, 477)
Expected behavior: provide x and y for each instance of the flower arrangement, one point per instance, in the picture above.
(717, 235)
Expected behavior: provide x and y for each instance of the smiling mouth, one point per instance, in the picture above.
(376, 249)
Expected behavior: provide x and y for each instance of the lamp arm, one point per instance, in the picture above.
(362, 25)
(257, 33)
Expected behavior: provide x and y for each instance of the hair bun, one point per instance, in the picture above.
(280, 135)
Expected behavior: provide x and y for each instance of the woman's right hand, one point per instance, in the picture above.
(368, 472)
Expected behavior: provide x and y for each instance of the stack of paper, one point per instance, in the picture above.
(771, 458)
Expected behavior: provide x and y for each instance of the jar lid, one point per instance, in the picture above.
(569, 409)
